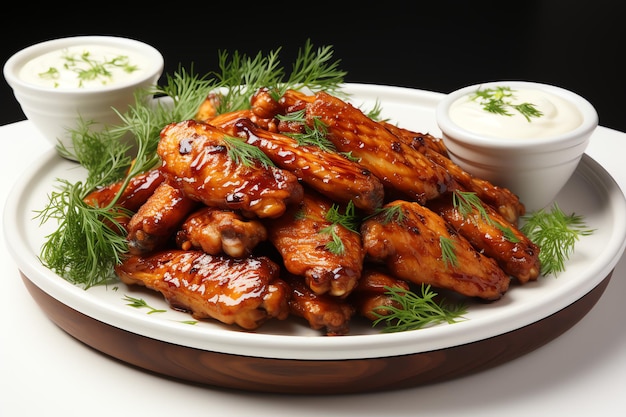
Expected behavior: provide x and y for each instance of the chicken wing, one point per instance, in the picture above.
(246, 291)
(331, 174)
(303, 235)
(492, 235)
(419, 246)
(218, 231)
(404, 171)
(417, 140)
(321, 311)
(196, 157)
(139, 188)
(157, 219)
(137, 191)
(370, 295)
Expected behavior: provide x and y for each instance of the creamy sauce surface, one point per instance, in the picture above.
(558, 116)
(84, 67)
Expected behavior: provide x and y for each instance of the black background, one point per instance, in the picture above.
(438, 46)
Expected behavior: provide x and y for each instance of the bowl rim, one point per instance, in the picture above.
(21, 57)
(453, 132)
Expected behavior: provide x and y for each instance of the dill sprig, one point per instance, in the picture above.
(556, 234)
(498, 101)
(182, 94)
(83, 250)
(141, 303)
(90, 240)
(375, 112)
(242, 75)
(245, 154)
(348, 220)
(102, 153)
(316, 135)
(467, 202)
(448, 254)
(313, 69)
(415, 311)
(388, 214)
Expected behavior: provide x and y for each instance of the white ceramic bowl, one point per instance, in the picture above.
(534, 164)
(53, 98)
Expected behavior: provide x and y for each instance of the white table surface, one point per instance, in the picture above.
(45, 372)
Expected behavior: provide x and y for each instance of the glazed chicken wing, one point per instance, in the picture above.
(492, 235)
(370, 295)
(137, 191)
(302, 236)
(247, 291)
(157, 219)
(417, 140)
(321, 311)
(402, 169)
(420, 247)
(139, 188)
(218, 231)
(331, 174)
(196, 157)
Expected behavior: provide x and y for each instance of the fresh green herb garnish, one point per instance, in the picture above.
(51, 74)
(466, 202)
(314, 70)
(415, 311)
(141, 303)
(245, 154)
(556, 234)
(389, 214)
(448, 255)
(348, 219)
(374, 113)
(349, 156)
(498, 101)
(90, 241)
(244, 75)
(83, 249)
(317, 135)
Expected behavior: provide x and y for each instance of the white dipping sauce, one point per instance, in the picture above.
(558, 116)
(84, 67)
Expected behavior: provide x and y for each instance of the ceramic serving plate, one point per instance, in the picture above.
(288, 356)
